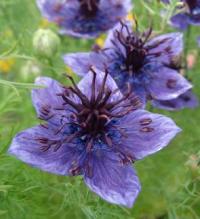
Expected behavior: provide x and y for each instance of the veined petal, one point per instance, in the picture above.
(46, 100)
(54, 10)
(167, 84)
(167, 46)
(127, 4)
(29, 144)
(145, 133)
(186, 100)
(80, 63)
(113, 182)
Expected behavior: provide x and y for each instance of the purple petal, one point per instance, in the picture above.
(127, 4)
(167, 84)
(180, 21)
(140, 92)
(80, 63)
(186, 100)
(167, 46)
(73, 33)
(27, 148)
(113, 182)
(55, 10)
(47, 98)
(146, 133)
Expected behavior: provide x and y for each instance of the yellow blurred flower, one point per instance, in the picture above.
(6, 65)
(8, 33)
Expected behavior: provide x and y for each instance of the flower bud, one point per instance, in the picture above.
(30, 70)
(45, 43)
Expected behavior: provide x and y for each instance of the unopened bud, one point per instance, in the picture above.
(46, 43)
(30, 70)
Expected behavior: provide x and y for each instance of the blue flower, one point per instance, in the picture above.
(91, 129)
(84, 18)
(190, 15)
(135, 58)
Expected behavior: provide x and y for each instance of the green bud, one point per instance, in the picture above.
(30, 70)
(46, 43)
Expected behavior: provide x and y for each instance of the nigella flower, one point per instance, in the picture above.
(136, 59)
(84, 18)
(189, 15)
(90, 129)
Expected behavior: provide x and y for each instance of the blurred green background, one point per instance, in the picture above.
(170, 179)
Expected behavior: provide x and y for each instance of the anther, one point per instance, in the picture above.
(145, 121)
(147, 129)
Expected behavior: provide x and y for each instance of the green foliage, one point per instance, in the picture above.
(170, 179)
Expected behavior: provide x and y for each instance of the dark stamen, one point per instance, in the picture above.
(134, 47)
(89, 8)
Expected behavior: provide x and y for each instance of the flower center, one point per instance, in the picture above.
(133, 44)
(89, 7)
(92, 115)
(135, 58)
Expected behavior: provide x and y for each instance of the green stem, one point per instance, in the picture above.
(50, 62)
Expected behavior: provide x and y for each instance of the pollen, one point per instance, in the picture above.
(6, 65)
(100, 41)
